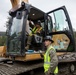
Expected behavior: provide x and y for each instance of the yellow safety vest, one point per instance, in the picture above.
(47, 60)
(34, 30)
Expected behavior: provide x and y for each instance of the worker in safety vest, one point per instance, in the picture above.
(36, 30)
(50, 58)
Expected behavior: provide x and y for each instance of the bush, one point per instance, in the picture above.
(2, 40)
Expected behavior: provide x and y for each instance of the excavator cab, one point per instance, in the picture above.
(55, 23)
(19, 30)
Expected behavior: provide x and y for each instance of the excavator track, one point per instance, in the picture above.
(67, 64)
(65, 69)
(19, 67)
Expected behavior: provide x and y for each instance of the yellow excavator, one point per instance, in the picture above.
(56, 23)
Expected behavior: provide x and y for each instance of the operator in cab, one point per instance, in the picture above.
(36, 30)
(50, 57)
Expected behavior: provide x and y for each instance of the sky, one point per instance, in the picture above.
(45, 5)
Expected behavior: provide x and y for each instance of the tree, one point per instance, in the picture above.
(2, 40)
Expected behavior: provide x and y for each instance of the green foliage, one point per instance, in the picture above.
(2, 40)
(75, 34)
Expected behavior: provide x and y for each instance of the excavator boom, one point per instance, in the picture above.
(16, 3)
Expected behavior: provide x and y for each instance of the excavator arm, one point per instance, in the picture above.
(16, 3)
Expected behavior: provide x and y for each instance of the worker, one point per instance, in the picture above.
(36, 30)
(50, 58)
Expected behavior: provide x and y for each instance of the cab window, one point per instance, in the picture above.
(59, 21)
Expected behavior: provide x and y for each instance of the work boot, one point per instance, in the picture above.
(27, 47)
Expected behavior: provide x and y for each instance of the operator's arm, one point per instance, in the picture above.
(31, 25)
(54, 61)
(39, 32)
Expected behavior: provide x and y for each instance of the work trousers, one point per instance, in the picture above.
(46, 73)
(29, 40)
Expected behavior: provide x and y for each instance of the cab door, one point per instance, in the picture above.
(60, 28)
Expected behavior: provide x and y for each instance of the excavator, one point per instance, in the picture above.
(16, 59)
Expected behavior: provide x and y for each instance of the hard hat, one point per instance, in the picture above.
(48, 38)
